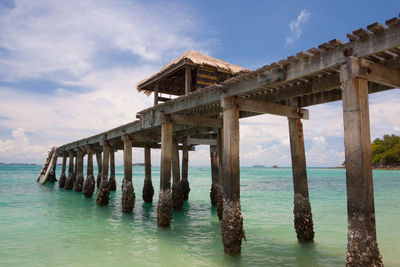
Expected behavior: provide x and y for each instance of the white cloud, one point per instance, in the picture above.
(19, 149)
(296, 26)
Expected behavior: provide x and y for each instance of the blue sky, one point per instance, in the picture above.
(68, 69)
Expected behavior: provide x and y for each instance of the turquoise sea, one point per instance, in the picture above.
(47, 226)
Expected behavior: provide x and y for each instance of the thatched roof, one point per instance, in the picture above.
(193, 58)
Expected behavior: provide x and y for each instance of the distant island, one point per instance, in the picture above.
(258, 166)
(138, 164)
(13, 163)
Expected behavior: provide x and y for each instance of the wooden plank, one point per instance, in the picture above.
(393, 22)
(271, 108)
(164, 99)
(376, 27)
(200, 141)
(362, 249)
(53, 158)
(352, 37)
(127, 159)
(147, 163)
(374, 72)
(361, 33)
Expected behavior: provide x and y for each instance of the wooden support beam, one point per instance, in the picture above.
(99, 161)
(232, 221)
(112, 183)
(128, 194)
(271, 108)
(164, 207)
(63, 177)
(188, 79)
(103, 195)
(377, 73)
(362, 248)
(148, 189)
(303, 222)
(50, 166)
(201, 141)
(177, 194)
(185, 169)
(90, 183)
(78, 187)
(69, 182)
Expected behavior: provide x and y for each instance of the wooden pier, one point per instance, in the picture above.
(212, 96)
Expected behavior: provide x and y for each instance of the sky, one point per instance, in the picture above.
(69, 69)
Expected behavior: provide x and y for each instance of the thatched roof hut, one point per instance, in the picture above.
(189, 72)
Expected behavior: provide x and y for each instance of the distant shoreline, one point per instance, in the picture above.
(375, 168)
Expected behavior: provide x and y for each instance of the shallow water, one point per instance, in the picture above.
(43, 225)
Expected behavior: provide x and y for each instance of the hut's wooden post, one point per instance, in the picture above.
(112, 183)
(177, 194)
(128, 193)
(185, 170)
(99, 168)
(155, 94)
(63, 177)
(164, 207)
(79, 171)
(148, 190)
(232, 220)
(69, 183)
(303, 222)
(188, 79)
(90, 182)
(362, 247)
(103, 195)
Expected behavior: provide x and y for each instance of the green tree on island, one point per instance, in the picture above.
(386, 151)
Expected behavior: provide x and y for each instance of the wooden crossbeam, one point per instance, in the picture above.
(191, 120)
(271, 108)
(201, 141)
(377, 73)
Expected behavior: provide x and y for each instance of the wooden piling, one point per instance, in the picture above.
(52, 175)
(63, 177)
(362, 247)
(177, 194)
(164, 207)
(148, 190)
(99, 168)
(90, 182)
(219, 188)
(112, 183)
(303, 222)
(79, 171)
(69, 183)
(185, 170)
(128, 193)
(214, 174)
(232, 220)
(103, 195)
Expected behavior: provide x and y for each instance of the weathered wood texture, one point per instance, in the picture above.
(50, 166)
(188, 79)
(69, 182)
(90, 182)
(362, 248)
(232, 221)
(99, 168)
(112, 183)
(78, 187)
(148, 189)
(166, 148)
(103, 195)
(303, 222)
(177, 194)
(185, 170)
(63, 176)
(128, 194)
